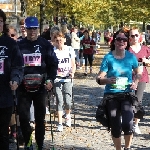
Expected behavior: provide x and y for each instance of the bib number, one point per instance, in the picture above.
(62, 72)
(33, 59)
(121, 83)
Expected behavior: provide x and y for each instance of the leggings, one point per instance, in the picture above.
(24, 102)
(88, 57)
(5, 116)
(116, 108)
(63, 94)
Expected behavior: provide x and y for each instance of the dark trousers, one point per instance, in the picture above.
(88, 57)
(24, 103)
(5, 116)
(117, 108)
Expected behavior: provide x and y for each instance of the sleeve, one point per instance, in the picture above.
(51, 63)
(17, 64)
(135, 62)
(104, 65)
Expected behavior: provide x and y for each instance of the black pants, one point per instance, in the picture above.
(24, 102)
(5, 116)
(123, 107)
(88, 57)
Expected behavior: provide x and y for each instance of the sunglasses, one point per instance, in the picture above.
(32, 28)
(122, 39)
(133, 36)
(12, 35)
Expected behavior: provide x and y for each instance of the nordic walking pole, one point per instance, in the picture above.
(73, 102)
(15, 111)
(53, 148)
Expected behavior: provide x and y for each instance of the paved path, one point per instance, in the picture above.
(88, 134)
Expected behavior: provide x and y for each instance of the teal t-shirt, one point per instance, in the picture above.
(121, 69)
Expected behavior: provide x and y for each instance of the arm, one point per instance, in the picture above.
(101, 79)
(17, 64)
(137, 78)
(51, 63)
(75, 37)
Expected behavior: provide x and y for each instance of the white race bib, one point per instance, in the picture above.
(33, 59)
(121, 83)
(140, 64)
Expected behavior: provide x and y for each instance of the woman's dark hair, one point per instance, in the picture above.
(86, 31)
(123, 30)
(5, 27)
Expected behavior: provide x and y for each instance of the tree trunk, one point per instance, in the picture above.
(23, 8)
(143, 26)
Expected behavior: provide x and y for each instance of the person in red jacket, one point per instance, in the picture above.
(88, 50)
(142, 52)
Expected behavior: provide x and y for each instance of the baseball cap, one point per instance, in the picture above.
(31, 22)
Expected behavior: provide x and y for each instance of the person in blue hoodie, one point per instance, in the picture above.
(40, 69)
(11, 74)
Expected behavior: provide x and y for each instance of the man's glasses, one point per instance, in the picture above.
(122, 39)
(32, 28)
(135, 35)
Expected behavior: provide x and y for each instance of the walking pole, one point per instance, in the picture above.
(15, 112)
(73, 103)
(51, 128)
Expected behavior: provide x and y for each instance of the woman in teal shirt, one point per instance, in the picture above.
(116, 74)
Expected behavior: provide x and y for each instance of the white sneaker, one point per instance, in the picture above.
(59, 128)
(136, 129)
(68, 120)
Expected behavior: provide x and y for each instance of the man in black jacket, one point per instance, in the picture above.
(11, 73)
(40, 69)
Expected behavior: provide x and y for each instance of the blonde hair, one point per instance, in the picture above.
(135, 28)
(58, 34)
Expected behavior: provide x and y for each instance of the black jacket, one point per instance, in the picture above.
(11, 69)
(49, 61)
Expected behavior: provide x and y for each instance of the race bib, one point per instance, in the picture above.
(1, 66)
(140, 64)
(87, 45)
(63, 71)
(33, 59)
(121, 83)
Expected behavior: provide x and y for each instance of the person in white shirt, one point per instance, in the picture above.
(63, 82)
(75, 43)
